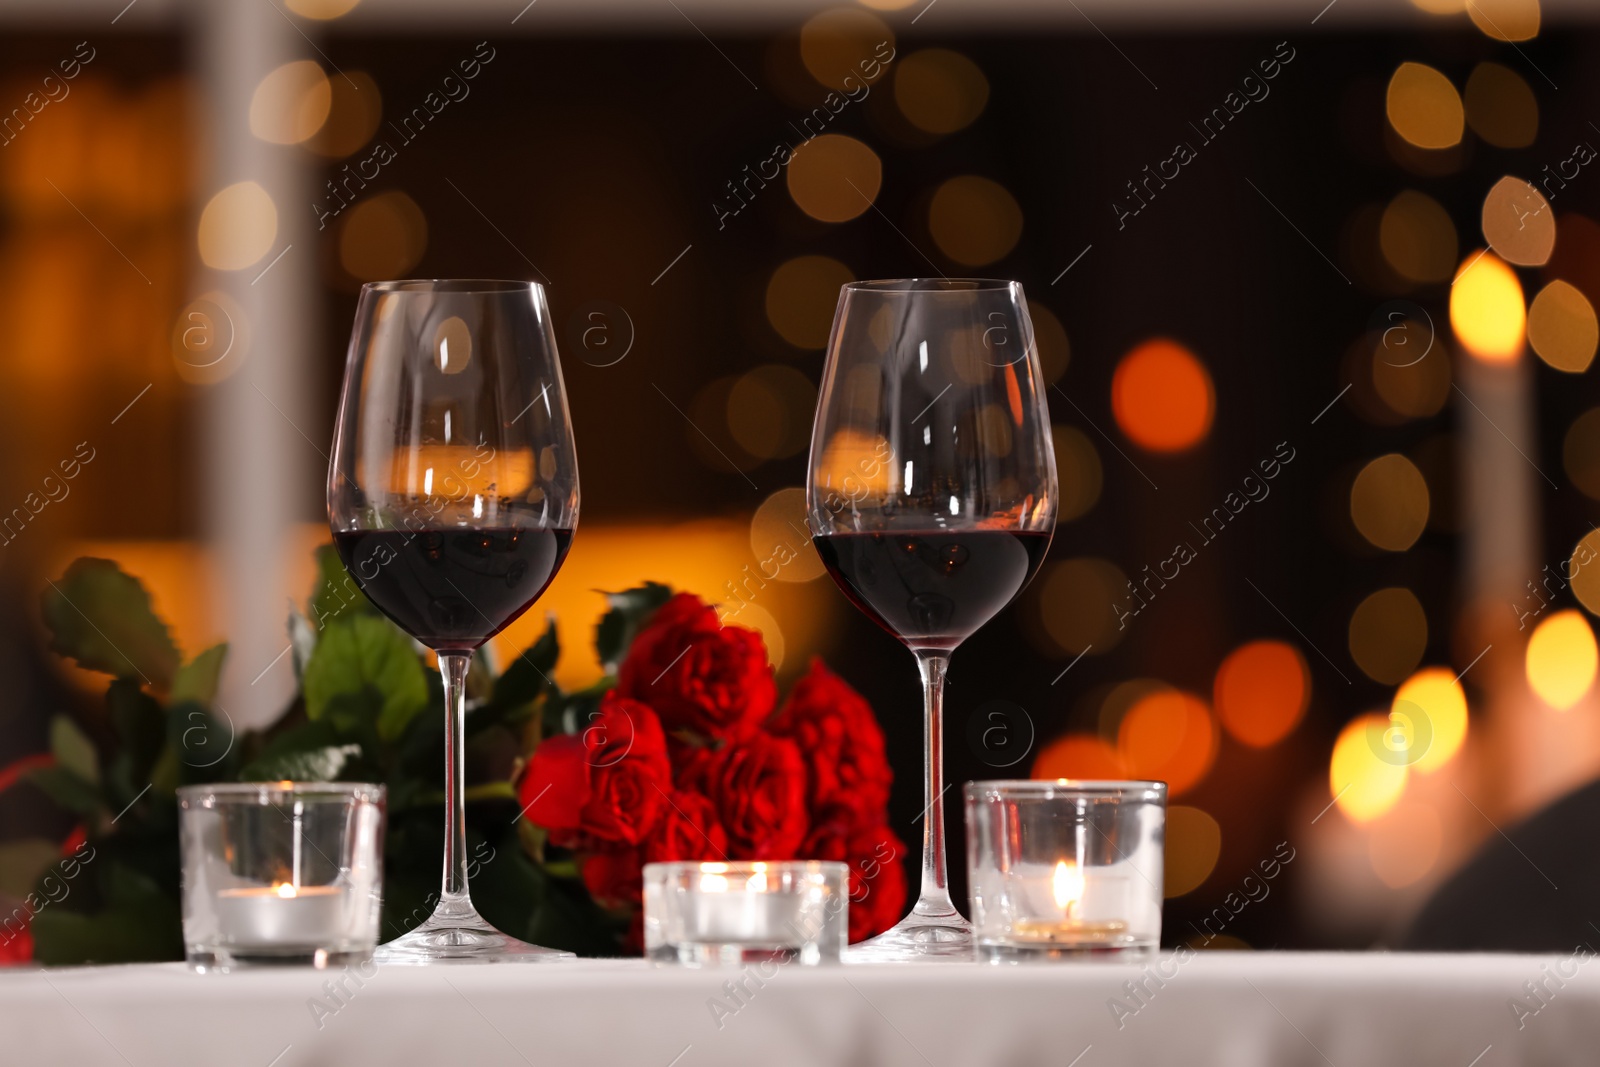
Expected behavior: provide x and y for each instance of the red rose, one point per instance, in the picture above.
(604, 787)
(758, 785)
(703, 679)
(16, 946)
(877, 875)
(687, 830)
(842, 744)
(615, 879)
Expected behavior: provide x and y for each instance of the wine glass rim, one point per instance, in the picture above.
(931, 285)
(453, 285)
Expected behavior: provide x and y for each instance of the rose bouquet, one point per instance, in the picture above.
(689, 757)
(681, 750)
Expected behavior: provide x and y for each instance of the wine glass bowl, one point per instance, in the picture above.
(453, 497)
(932, 498)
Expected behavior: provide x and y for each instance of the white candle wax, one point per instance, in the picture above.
(747, 910)
(283, 916)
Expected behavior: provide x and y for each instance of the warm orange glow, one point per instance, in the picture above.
(1388, 633)
(940, 91)
(1364, 778)
(1389, 502)
(1168, 735)
(1434, 695)
(1486, 309)
(285, 890)
(1500, 107)
(1066, 885)
(974, 220)
(1562, 659)
(1506, 20)
(1162, 397)
(237, 227)
(1518, 222)
(1424, 108)
(1077, 603)
(1193, 846)
(801, 297)
(834, 178)
(383, 236)
(1261, 691)
(1405, 844)
(1078, 756)
(1562, 327)
(291, 103)
(1078, 472)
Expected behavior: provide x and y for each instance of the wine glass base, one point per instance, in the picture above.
(945, 938)
(471, 940)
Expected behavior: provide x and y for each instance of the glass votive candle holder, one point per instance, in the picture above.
(711, 914)
(1065, 868)
(281, 872)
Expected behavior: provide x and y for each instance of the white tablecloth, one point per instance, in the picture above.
(1223, 1009)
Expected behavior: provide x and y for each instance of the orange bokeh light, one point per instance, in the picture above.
(1261, 691)
(1078, 756)
(1168, 735)
(1162, 396)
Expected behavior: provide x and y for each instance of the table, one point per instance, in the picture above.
(1228, 1009)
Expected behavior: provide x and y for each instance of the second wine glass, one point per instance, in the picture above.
(932, 497)
(453, 498)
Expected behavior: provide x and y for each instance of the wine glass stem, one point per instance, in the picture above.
(454, 896)
(934, 899)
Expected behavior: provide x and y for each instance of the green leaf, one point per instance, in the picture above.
(630, 610)
(312, 765)
(337, 596)
(197, 679)
(141, 726)
(22, 861)
(366, 653)
(141, 924)
(67, 788)
(101, 617)
(73, 750)
(528, 676)
(201, 743)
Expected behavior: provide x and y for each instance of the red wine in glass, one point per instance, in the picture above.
(453, 497)
(932, 496)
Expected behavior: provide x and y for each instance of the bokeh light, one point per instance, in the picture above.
(853, 464)
(834, 178)
(383, 236)
(1440, 698)
(291, 103)
(779, 534)
(1162, 397)
(1584, 571)
(1486, 309)
(1389, 502)
(1410, 384)
(1404, 845)
(1518, 223)
(1562, 327)
(1580, 453)
(1050, 337)
(1506, 20)
(974, 220)
(1261, 691)
(770, 409)
(1077, 600)
(1388, 634)
(1561, 659)
(1424, 108)
(354, 111)
(1440, 7)
(940, 91)
(1361, 781)
(1078, 472)
(1078, 756)
(1193, 846)
(321, 9)
(1169, 736)
(237, 227)
(836, 42)
(1500, 107)
(1417, 237)
(801, 297)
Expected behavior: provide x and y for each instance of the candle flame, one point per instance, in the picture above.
(713, 883)
(284, 890)
(1067, 885)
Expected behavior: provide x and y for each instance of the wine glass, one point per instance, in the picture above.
(453, 497)
(932, 497)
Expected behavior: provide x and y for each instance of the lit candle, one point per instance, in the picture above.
(283, 915)
(1069, 887)
(703, 913)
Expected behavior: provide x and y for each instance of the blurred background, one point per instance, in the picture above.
(1314, 284)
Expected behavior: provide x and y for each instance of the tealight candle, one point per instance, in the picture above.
(281, 872)
(710, 913)
(1061, 868)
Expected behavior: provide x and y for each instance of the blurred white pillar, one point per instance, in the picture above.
(259, 461)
